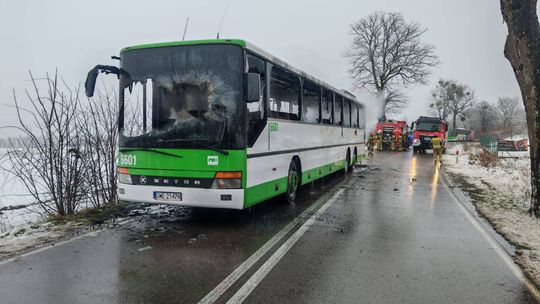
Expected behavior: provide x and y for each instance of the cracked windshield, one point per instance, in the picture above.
(181, 96)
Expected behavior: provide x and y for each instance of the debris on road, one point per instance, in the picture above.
(144, 248)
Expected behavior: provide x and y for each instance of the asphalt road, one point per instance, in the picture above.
(389, 233)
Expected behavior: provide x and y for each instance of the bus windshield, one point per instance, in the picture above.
(428, 126)
(182, 97)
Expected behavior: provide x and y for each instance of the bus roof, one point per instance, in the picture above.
(250, 47)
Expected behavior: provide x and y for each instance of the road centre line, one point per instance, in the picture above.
(261, 273)
(222, 287)
(516, 270)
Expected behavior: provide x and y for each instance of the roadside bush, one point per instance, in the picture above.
(66, 156)
(484, 158)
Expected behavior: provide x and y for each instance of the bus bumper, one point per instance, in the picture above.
(193, 197)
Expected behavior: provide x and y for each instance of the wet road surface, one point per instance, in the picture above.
(389, 233)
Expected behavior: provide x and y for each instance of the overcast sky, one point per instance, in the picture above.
(312, 35)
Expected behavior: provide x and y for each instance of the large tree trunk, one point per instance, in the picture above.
(454, 117)
(522, 49)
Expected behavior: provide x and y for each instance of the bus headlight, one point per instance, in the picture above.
(124, 178)
(227, 180)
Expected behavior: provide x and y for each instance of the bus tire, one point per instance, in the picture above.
(347, 166)
(355, 160)
(293, 181)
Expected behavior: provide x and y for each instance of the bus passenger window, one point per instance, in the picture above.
(338, 113)
(327, 107)
(361, 117)
(284, 95)
(311, 102)
(347, 113)
(354, 115)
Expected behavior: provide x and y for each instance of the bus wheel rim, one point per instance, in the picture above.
(293, 181)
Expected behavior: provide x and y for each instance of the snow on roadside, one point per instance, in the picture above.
(501, 194)
(23, 238)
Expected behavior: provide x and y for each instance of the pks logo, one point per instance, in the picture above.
(213, 160)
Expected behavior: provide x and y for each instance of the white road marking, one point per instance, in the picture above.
(516, 270)
(261, 273)
(220, 289)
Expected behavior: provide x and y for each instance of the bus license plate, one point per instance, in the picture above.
(168, 196)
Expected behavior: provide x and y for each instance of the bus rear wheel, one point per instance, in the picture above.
(293, 182)
(347, 167)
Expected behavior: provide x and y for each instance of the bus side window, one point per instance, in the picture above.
(310, 103)
(284, 95)
(347, 113)
(354, 115)
(361, 117)
(327, 110)
(256, 110)
(338, 113)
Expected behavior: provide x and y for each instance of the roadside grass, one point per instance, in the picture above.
(94, 216)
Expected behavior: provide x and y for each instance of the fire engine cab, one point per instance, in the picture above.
(425, 128)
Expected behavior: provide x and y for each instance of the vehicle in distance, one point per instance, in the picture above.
(223, 124)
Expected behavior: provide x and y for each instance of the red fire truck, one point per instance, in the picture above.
(391, 134)
(425, 128)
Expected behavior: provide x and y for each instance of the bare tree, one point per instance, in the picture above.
(99, 117)
(451, 97)
(441, 96)
(522, 49)
(509, 107)
(387, 52)
(487, 116)
(46, 159)
(394, 101)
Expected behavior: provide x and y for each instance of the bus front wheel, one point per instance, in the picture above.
(293, 182)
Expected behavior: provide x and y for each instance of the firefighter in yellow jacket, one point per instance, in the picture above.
(379, 140)
(437, 144)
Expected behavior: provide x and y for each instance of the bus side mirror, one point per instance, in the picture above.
(253, 87)
(412, 125)
(90, 83)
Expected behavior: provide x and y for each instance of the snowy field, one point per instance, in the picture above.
(501, 194)
(511, 176)
(12, 194)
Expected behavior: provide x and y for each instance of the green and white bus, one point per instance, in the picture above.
(223, 124)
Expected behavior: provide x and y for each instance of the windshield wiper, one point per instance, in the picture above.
(149, 150)
(224, 152)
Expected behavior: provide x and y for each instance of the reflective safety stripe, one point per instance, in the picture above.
(436, 142)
